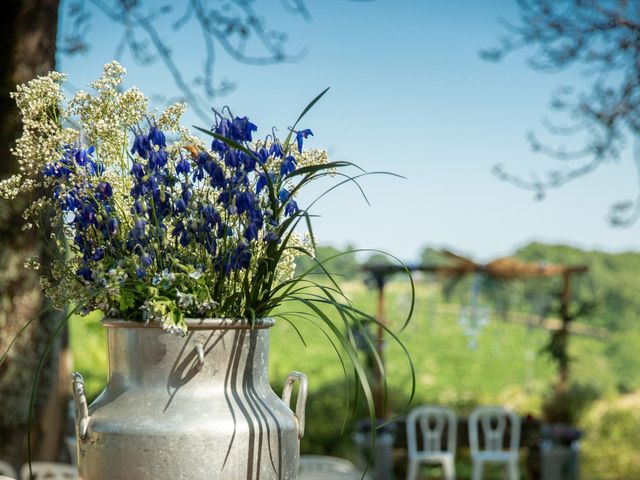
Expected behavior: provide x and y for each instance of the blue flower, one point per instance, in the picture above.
(137, 170)
(261, 183)
(283, 195)
(244, 202)
(300, 134)
(157, 137)
(210, 215)
(276, 149)
(81, 157)
(231, 159)
(146, 259)
(86, 216)
(138, 230)
(202, 158)
(261, 155)
(224, 198)
(185, 238)
(217, 177)
(98, 254)
(198, 174)
(178, 228)
(290, 208)
(257, 222)
(141, 146)
(180, 206)
(157, 159)
(104, 191)
(248, 161)
(183, 165)
(219, 146)
(224, 128)
(272, 236)
(241, 129)
(288, 166)
(241, 257)
(50, 170)
(85, 272)
(211, 246)
(140, 273)
(112, 226)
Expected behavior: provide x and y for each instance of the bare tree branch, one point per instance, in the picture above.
(602, 37)
(233, 26)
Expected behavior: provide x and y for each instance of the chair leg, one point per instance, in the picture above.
(514, 471)
(477, 470)
(448, 469)
(412, 472)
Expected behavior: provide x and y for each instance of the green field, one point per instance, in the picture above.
(506, 366)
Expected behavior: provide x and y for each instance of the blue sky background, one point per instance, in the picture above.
(409, 94)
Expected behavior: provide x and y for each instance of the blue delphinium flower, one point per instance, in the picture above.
(261, 155)
(241, 129)
(276, 149)
(300, 135)
(283, 195)
(288, 165)
(157, 137)
(183, 166)
(104, 191)
(290, 208)
(244, 202)
(85, 272)
(141, 146)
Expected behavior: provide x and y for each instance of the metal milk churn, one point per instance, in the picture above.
(198, 407)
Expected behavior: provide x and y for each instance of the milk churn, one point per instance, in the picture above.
(196, 407)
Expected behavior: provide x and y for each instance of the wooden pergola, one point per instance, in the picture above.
(505, 268)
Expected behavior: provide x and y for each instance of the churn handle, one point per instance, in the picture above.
(302, 397)
(80, 400)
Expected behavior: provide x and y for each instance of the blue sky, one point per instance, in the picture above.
(409, 94)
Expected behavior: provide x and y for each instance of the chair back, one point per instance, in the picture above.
(493, 423)
(7, 471)
(432, 421)
(49, 471)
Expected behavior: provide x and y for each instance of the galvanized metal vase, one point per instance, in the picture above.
(195, 408)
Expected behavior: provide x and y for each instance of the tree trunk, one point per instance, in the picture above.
(28, 44)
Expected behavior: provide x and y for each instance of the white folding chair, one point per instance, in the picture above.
(492, 422)
(320, 467)
(432, 421)
(7, 471)
(49, 471)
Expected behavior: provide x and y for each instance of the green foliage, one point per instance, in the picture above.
(622, 349)
(613, 281)
(612, 436)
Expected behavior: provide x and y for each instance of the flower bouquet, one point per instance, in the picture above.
(155, 227)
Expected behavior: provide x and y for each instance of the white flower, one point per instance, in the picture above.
(185, 299)
(196, 274)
